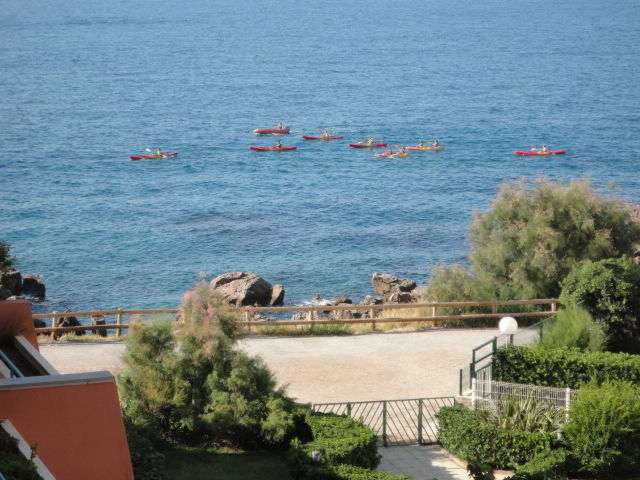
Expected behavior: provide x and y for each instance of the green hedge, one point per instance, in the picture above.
(471, 436)
(340, 440)
(563, 368)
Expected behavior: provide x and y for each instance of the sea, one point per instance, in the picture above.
(84, 84)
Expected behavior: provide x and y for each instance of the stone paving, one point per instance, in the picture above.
(425, 463)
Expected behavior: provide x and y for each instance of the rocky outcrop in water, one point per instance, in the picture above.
(394, 289)
(13, 285)
(247, 289)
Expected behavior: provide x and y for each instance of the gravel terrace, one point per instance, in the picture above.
(372, 366)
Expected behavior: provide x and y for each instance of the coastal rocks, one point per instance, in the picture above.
(371, 300)
(5, 293)
(13, 285)
(244, 289)
(419, 294)
(69, 322)
(386, 284)
(277, 295)
(99, 320)
(11, 280)
(400, 297)
(32, 285)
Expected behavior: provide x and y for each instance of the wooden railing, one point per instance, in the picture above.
(372, 314)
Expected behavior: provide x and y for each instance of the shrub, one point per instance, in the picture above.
(340, 440)
(6, 260)
(526, 414)
(563, 367)
(351, 472)
(12, 463)
(343, 440)
(610, 290)
(188, 383)
(603, 432)
(471, 436)
(147, 462)
(530, 239)
(547, 465)
(573, 328)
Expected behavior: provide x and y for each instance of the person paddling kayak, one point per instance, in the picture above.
(326, 135)
(435, 144)
(543, 149)
(278, 144)
(158, 151)
(280, 126)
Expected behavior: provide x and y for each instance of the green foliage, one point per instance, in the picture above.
(147, 462)
(573, 328)
(530, 239)
(188, 383)
(6, 260)
(352, 472)
(471, 436)
(526, 414)
(340, 440)
(547, 465)
(563, 367)
(15, 467)
(480, 471)
(311, 330)
(603, 432)
(610, 290)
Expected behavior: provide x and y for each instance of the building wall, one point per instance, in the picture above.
(77, 426)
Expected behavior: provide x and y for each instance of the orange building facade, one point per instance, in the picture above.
(74, 420)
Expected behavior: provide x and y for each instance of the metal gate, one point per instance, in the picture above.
(395, 422)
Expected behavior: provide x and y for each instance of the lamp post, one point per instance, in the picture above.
(508, 326)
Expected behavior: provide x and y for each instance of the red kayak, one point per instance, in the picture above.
(557, 152)
(367, 145)
(307, 137)
(271, 131)
(272, 149)
(149, 157)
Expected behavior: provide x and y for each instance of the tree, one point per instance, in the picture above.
(610, 290)
(187, 381)
(6, 260)
(530, 239)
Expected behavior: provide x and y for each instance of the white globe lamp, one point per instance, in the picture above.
(508, 326)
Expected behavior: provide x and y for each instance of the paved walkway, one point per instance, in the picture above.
(425, 463)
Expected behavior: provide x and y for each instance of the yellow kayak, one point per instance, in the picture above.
(425, 147)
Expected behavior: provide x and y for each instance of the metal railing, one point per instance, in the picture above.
(490, 395)
(15, 371)
(482, 355)
(395, 422)
(314, 315)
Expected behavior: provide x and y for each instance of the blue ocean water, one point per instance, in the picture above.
(85, 84)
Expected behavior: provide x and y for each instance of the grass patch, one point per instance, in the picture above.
(188, 463)
(73, 338)
(304, 330)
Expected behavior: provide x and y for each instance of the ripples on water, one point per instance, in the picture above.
(86, 84)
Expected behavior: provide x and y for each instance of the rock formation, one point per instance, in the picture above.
(243, 289)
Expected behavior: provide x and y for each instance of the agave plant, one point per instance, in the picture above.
(526, 414)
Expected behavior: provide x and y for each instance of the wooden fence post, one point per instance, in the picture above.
(54, 324)
(119, 322)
